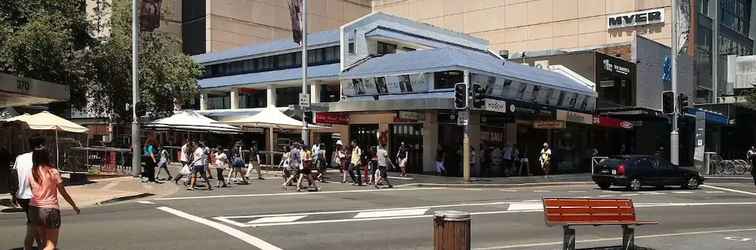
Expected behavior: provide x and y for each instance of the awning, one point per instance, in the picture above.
(46, 121)
(608, 122)
(19, 91)
(189, 120)
(710, 116)
(266, 118)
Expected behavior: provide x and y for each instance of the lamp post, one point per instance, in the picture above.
(136, 152)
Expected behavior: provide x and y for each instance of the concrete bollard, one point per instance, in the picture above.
(451, 230)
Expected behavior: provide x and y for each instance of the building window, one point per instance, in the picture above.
(329, 93)
(193, 26)
(447, 79)
(218, 101)
(386, 48)
(256, 98)
(287, 96)
(351, 48)
(321, 56)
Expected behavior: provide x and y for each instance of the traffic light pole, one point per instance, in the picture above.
(466, 140)
(674, 137)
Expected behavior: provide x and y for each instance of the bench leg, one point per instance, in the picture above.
(569, 238)
(628, 238)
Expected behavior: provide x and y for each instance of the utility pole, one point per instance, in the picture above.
(715, 53)
(305, 134)
(136, 149)
(674, 138)
(466, 139)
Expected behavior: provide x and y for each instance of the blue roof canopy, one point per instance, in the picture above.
(313, 39)
(440, 59)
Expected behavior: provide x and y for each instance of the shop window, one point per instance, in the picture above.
(329, 93)
(447, 79)
(287, 96)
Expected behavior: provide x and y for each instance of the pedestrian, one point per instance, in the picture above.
(284, 164)
(372, 165)
(163, 164)
(751, 156)
(254, 161)
(237, 165)
(22, 195)
(354, 164)
(383, 162)
(342, 160)
(401, 157)
(199, 166)
(545, 159)
(185, 156)
(440, 156)
(507, 159)
(221, 164)
(295, 162)
(305, 169)
(321, 163)
(150, 158)
(44, 208)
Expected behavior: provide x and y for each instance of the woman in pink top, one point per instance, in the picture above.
(44, 209)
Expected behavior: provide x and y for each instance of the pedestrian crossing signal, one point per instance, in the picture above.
(477, 96)
(668, 102)
(460, 96)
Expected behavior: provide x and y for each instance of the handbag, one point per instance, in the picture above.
(185, 170)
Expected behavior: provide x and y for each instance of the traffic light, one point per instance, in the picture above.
(460, 96)
(683, 99)
(668, 102)
(477, 96)
(141, 109)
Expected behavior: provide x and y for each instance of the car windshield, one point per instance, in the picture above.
(612, 162)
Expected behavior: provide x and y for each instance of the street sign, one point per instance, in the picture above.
(304, 100)
(495, 105)
(463, 117)
(549, 124)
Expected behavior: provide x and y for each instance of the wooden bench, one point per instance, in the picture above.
(568, 212)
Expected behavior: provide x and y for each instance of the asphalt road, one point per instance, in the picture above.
(262, 215)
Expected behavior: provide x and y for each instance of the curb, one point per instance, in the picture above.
(474, 185)
(123, 198)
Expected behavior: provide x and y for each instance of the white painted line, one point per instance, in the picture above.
(693, 204)
(653, 193)
(541, 191)
(629, 195)
(682, 192)
(519, 206)
(401, 178)
(714, 192)
(606, 195)
(146, 202)
(576, 191)
(392, 213)
(276, 219)
(728, 190)
(370, 210)
(473, 189)
(541, 244)
(729, 177)
(297, 193)
(509, 190)
(249, 239)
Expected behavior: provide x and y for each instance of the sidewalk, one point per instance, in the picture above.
(107, 190)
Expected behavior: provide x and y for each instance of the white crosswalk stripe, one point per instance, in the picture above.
(276, 219)
(391, 213)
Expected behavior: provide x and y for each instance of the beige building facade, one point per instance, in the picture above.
(534, 25)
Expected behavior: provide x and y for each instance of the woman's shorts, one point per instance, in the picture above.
(45, 217)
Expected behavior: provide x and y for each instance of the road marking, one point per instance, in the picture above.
(146, 202)
(606, 195)
(249, 239)
(276, 219)
(509, 190)
(542, 244)
(392, 213)
(110, 186)
(519, 206)
(576, 191)
(629, 195)
(728, 190)
(682, 192)
(473, 189)
(296, 194)
(653, 193)
(541, 191)
(401, 178)
(714, 192)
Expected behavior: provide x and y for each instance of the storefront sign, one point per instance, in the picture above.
(610, 66)
(633, 19)
(549, 124)
(23, 85)
(331, 118)
(495, 105)
(248, 90)
(608, 122)
(563, 115)
(409, 116)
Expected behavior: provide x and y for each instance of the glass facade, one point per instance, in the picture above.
(287, 96)
(320, 56)
(193, 26)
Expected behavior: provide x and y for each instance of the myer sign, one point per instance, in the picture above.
(636, 18)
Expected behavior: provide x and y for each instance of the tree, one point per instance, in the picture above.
(165, 72)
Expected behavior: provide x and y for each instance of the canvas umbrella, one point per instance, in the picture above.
(47, 121)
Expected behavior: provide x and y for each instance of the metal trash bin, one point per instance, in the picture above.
(451, 230)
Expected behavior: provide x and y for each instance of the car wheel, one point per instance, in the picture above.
(635, 185)
(604, 185)
(692, 183)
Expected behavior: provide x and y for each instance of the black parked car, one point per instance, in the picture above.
(634, 171)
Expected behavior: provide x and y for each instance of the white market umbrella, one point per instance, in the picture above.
(47, 121)
(189, 120)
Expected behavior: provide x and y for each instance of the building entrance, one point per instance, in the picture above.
(411, 135)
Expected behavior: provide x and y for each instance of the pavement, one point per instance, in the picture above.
(263, 215)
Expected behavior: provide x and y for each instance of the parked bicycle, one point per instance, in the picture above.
(719, 166)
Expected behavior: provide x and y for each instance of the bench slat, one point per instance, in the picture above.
(568, 211)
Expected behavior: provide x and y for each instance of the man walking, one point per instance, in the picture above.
(383, 162)
(199, 167)
(354, 165)
(254, 161)
(23, 195)
(751, 155)
(545, 159)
